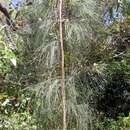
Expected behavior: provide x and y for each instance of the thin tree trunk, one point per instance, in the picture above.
(62, 65)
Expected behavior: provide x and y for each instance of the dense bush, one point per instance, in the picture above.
(115, 98)
(122, 123)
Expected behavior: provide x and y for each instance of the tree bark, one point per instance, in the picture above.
(8, 19)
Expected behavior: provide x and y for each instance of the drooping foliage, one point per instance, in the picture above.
(96, 66)
(42, 36)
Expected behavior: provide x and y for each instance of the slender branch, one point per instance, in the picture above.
(62, 65)
(8, 18)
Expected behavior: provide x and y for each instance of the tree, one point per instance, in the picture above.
(79, 38)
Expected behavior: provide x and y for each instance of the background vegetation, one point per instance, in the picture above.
(94, 91)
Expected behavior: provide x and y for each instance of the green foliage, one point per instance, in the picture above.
(16, 113)
(8, 59)
(122, 123)
(81, 52)
(14, 110)
(18, 121)
(31, 93)
(114, 99)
